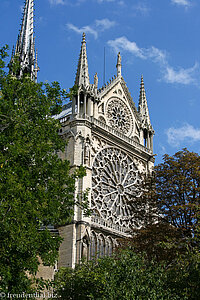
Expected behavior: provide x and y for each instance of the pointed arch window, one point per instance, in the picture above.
(110, 247)
(93, 245)
(101, 246)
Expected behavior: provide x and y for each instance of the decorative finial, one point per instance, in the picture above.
(119, 59)
(119, 65)
(83, 38)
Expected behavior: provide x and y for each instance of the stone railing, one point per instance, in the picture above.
(108, 225)
(120, 135)
(110, 130)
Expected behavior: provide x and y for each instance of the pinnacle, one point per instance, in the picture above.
(143, 107)
(82, 75)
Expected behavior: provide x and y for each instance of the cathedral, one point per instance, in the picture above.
(111, 138)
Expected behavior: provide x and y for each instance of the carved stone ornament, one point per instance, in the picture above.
(115, 179)
(87, 151)
(97, 145)
(119, 116)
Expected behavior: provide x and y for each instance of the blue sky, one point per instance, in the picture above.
(157, 38)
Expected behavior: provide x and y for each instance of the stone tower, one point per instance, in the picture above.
(114, 141)
(25, 46)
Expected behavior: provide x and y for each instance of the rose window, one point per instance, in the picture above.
(119, 116)
(115, 179)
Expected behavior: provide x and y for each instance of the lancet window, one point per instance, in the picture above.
(101, 245)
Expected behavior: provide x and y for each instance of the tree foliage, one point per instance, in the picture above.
(127, 276)
(36, 186)
(3, 55)
(178, 190)
(174, 192)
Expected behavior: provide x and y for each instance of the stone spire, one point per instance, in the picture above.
(119, 65)
(25, 46)
(82, 74)
(143, 107)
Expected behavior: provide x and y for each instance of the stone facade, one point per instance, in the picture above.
(114, 141)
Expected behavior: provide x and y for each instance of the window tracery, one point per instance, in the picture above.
(115, 179)
(119, 116)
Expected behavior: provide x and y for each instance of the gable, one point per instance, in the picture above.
(117, 109)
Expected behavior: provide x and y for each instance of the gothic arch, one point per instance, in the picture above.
(109, 246)
(85, 246)
(93, 244)
(102, 119)
(101, 246)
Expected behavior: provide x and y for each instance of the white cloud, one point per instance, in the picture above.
(86, 29)
(105, 24)
(98, 26)
(186, 133)
(185, 3)
(101, 1)
(157, 55)
(120, 2)
(184, 76)
(142, 8)
(160, 57)
(55, 2)
(78, 2)
(123, 43)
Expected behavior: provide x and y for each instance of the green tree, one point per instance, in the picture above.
(3, 55)
(174, 192)
(178, 191)
(36, 186)
(125, 276)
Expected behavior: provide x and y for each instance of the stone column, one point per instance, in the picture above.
(73, 105)
(78, 104)
(151, 142)
(148, 140)
(85, 104)
(89, 107)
